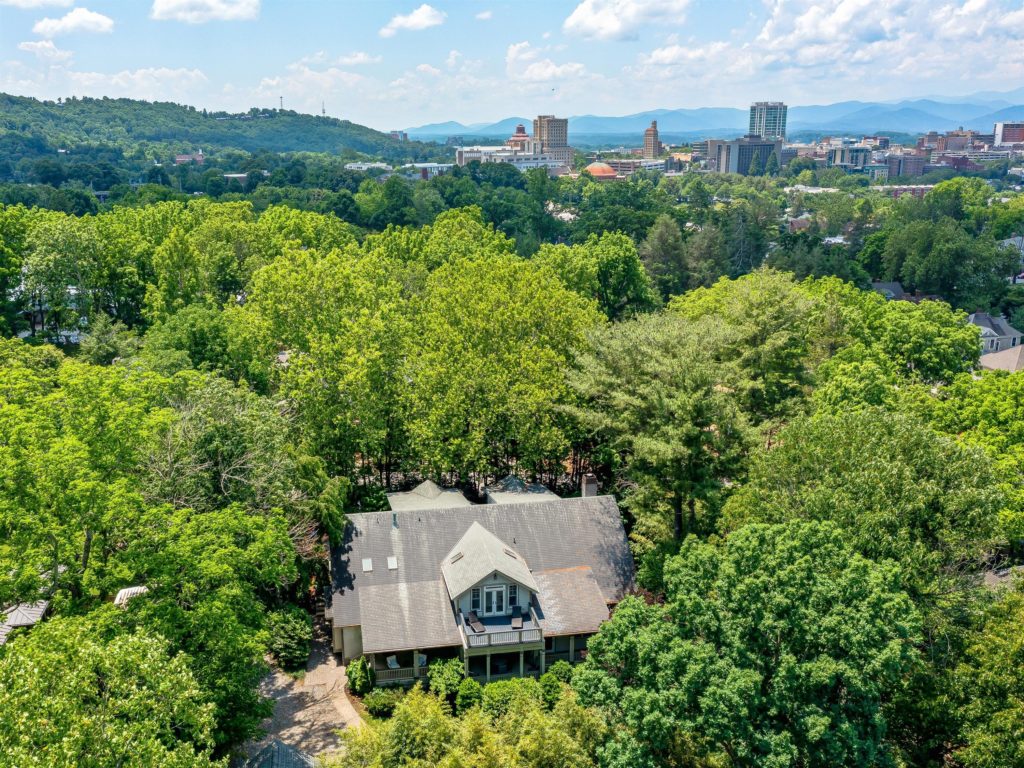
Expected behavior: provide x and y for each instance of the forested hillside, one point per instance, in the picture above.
(816, 481)
(32, 128)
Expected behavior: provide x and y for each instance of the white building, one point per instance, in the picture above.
(523, 159)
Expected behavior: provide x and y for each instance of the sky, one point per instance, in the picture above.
(401, 64)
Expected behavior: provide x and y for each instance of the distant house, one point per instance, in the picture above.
(192, 157)
(277, 754)
(507, 587)
(996, 333)
(22, 616)
(512, 490)
(427, 495)
(1011, 360)
(891, 290)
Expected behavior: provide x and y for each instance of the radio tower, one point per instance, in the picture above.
(323, 109)
(282, 101)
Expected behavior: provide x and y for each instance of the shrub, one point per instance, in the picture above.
(469, 695)
(360, 676)
(562, 670)
(551, 689)
(446, 676)
(291, 631)
(382, 701)
(498, 696)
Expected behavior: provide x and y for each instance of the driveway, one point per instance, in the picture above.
(308, 712)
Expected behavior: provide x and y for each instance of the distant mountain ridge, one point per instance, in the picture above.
(977, 112)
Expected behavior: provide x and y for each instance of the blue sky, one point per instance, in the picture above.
(397, 64)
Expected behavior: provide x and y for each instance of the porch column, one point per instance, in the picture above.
(522, 669)
(542, 660)
(465, 660)
(488, 677)
(572, 648)
(415, 662)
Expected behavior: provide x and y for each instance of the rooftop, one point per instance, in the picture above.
(427, 495)
(388, 578)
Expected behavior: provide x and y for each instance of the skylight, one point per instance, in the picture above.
(455, 558)
(392, 563)
(367, 564)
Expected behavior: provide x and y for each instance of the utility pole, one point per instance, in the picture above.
(282, 101)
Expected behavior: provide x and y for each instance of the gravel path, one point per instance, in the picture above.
(308, 712)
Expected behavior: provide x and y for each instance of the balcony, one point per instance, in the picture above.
(498, 631)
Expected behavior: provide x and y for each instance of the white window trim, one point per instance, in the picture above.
(475, 600)
(498, 590)
(513, 588)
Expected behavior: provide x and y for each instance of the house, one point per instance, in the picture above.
(891, 290)
(507, 587)
(427, 495)
(996, 333)
(512, 490)
(21, 615)
(1011, 360)
(277, 754)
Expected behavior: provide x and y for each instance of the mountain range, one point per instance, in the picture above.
(935, 113)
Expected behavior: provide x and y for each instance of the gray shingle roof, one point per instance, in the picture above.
(997, 326)
(478, 554)
(512, 490)
(571, 601)
(548, 535)
(427, 495)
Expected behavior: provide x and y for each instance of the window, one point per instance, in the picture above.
(392, 563)
(367, 564)
(474, 600)
(513, 595)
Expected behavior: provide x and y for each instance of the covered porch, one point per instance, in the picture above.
(488, 667)
(406, 667)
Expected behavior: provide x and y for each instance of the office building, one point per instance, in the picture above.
(1007, 134)
(523, 159)
(742, 155)
(553, 134)
(768, 120)
(848, 157)
(905, 165)
(652, 144)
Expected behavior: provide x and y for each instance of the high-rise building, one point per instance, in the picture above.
(553, 134)
(768, 120)
(652, 144)
(742, 156)
(1008, 133)
(905, 165)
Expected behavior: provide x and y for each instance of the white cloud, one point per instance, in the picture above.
(45, 50)
(358, 57)
(484, 16)
(426, 69)
(76, 20)
(202, 11)
(523, 62)
(423, 17)
(145, 83)
(453, 59)
(36, 3)
(620, 19)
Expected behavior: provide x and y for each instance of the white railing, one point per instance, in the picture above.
(394, 675)
(505, 637)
